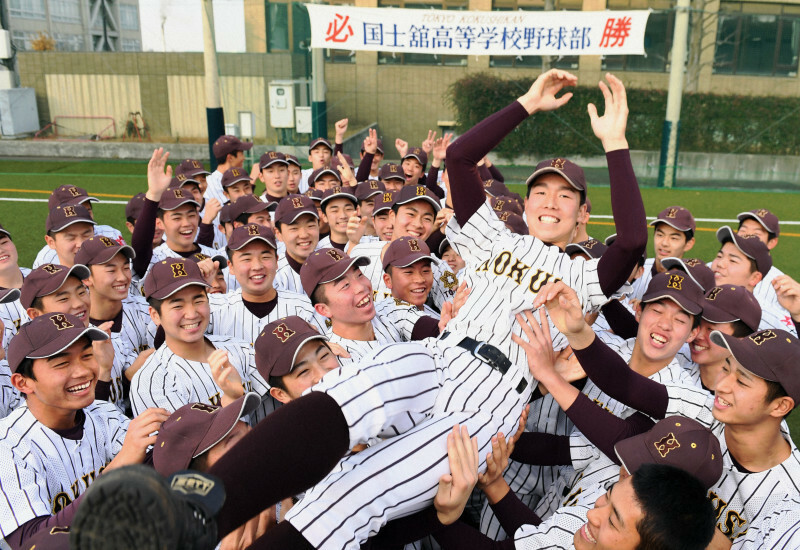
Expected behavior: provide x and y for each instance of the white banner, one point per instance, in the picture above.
(450, 32)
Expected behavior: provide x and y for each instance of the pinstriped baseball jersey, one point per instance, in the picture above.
(740, 498)
(640, 285)
(13, 316)
(402, 315)
(231, 283)
(123, 357)
(555, 533)
(135, 318)
(10, 398)
(386, 332)
(214, 189)
(286, 278)
(169, 381)
(48, 255)
(230, 317)
(774, 315)
(780, 529)
(42, 471)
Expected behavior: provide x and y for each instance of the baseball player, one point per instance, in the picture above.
(12, 314)
(194, 169)
(408, 274)
(367, 192)
(229, 153)
(61, 439)
(274, 174)
(392, 177)
(67, 228)
(382, 217)
(338, 205)
(208, 233)
(10, 398)
(324, 178)
(295, 173)
(249, 209)
(297, 227)
(236, 183)
(132, 212)
(320, 152)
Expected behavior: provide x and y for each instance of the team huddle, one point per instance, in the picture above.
(379, 357)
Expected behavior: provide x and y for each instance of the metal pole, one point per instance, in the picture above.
(319, 115)
(672, 122)
(215, 119)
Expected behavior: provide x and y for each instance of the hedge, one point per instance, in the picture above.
(709, 122)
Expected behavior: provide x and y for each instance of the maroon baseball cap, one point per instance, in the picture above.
(495, 188)
(337, 192)
(225, 213)
(411, 193)
(767, 219)
(171, 275)
(319, 172)
(48, 335)
(326, 265)
(417, 153)
(180, 180)
(391, 171)
(8, 295)
(677, 217)
(244, 235)
(247, 204)
(515, 223)
(271, 157)
(48, 278)
(134, 207)
(368, 189)
(62, 217)
(771, 354)
(66, 195)
(195, 428)
(592, 248)
(191, 168)
(588, 206)
(676, 441)
(100, 250)
(277, 345)
(335, 162)
(504, 203)
(384, 202)
(380, 146)
(405, 251)
(678, 287)
(314, 194)
(320, 141)
(749, 245)
(291, 159)
(292, 207)
(174, 198)
(199, 257)
(729, 303)
(234, 175)
(229, 144)
(564, 168)
(5, 232)
(694, 267)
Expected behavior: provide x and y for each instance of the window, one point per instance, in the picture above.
(754, 44)
(130, 45)
(69, 42)
(23, 40)
(67, 11)
(657, 45)
(288, 27)
(129, 17)
(277, 27)
(32, 9)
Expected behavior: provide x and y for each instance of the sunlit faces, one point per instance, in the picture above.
(294, 175)
(72, 297)
(314, 360)
(158, 234)
(319, 156)
(180, 226)
(393, 184)
(612, 522)
(412, 283)
(326, 181)
(8, 254)
(348, 299)
(452, 259)
(704, 351)
(413, 170)
(383, 223)
(219, 285)
(552, 209)
(300, 237)
(336, 214)
(260, 218)
(749, 227)
(414, 219)
(238, 189)
(663, 328)
(111, 280)
(276, 179)
(669, 242)
(732, 267)
(254, 266)
(67, 241)
(235, 159)
(740, 397)
(184, 315)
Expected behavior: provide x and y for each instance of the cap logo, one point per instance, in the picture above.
(179, 270)
(297, 202)
(192, 484)
(762, 213)
(692, 262)
(504, 216)
(672, 212)
(252, 230)
(499, 205)
(590, 244)
(51, 269)
(283, 333)
(181, 177)
(335, 254)
(196, 164)
(108, 242)
(60, 321)
(235, 173)
(413, 244)
(69, 211)
(712, 294)
(205, 407)
(373, 184)
(558, 163)
(178, 193)
(420, 191)
(763, 336)
(675, 282)
(393, 168)
(272, 155)
(73, 191)
(666, 444)
(387, 197)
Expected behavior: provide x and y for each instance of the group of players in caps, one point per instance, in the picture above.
(376, 357)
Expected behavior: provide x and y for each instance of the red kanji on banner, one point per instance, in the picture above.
(615, 32)
(339, 30)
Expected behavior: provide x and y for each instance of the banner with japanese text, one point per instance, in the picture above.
(478, 32)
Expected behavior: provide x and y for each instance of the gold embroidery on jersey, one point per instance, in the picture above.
(505, 264)
(572, 499)
(449, 280)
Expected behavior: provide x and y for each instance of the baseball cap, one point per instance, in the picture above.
(277, 345)
(676, 286)
(588, 206)
(99, 250)
(171, 275)
(326, 265)
(234, 175)
(749, 245)
(337, 192)
(48, 278)
(411, 193)
(347, 158)
(729, 303)
(771, 354)
(314, 194)
(174, 198)
(514, 222)
(5, 232)
(292, 207)
(8, 295)
(564, 168)
(319, 172)
(271, 157)
(391, 171)
(504, 203)
(180, 180)
(199, 257)
(247, 204)
(677, 217)
(195, 428)
(384, 202)
(244, 235)
(291, 159)
(405, 251)
(47, 335)
(495, 188)
(62, 217)
(767, 219)
(694, 267)
(229, 144)
(134, 207)
(677, 441)
(592, 248)
(225, 213)
(66, 195)
(417, 153)
(368, 189)
(320, 141)
(380, 146)
(191, 168)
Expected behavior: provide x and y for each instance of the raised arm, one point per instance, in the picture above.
(370, 148)
(158, 177)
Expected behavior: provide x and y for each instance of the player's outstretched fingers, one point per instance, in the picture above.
(523, 421)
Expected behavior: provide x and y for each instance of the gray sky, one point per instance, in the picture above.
(183, 25)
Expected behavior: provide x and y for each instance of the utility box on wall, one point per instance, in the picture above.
(18, 112)
(281, 103)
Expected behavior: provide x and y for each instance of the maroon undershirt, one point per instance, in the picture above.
(271, 198)
(621, 321)
(294, 264)
(496, 174)
(339, 246)
(365, 167)
(144, 230)
(205, 234)
(432, 182)
(261, 309)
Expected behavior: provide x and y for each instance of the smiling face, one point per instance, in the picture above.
(300, 237)
(72, 297)
(259, 218)
(749, 227)
(668, 242)
(740, 396)
(393, 184)
(111, 280)
(612, 523)
(411, 284)
(68, 241)
(704, 351)
(180, 227)
(314, 360)
(732, 267)
(336, 214)
(453, 260)
(663, 328)
(254, 266)
(8, 255)
(414, 219)
(348, 299)
(383, 223)
(276, 179)
(184, 316)
(413, 170)
(552, 209)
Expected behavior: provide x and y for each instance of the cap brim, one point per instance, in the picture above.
(445, 244)
(171, 289)
(551, 170)
(412, 259)
(60, 344)
(271, 162)
(125, 250)
(690, 308)
(740, 351)
(254, 238)
(631, 453)
(9, 295)
(429, 200)
(298, 214)
(713, 314)
(237, 180)
(328, 171)
(72, 222)
(413, 156)
(677, 263)
(669, 223)
(187, 201)
(226, 419)
(337, 272)
(725, 234)
(348, 196)
(309, 338)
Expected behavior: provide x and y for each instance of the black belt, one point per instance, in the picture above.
(489, 354)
